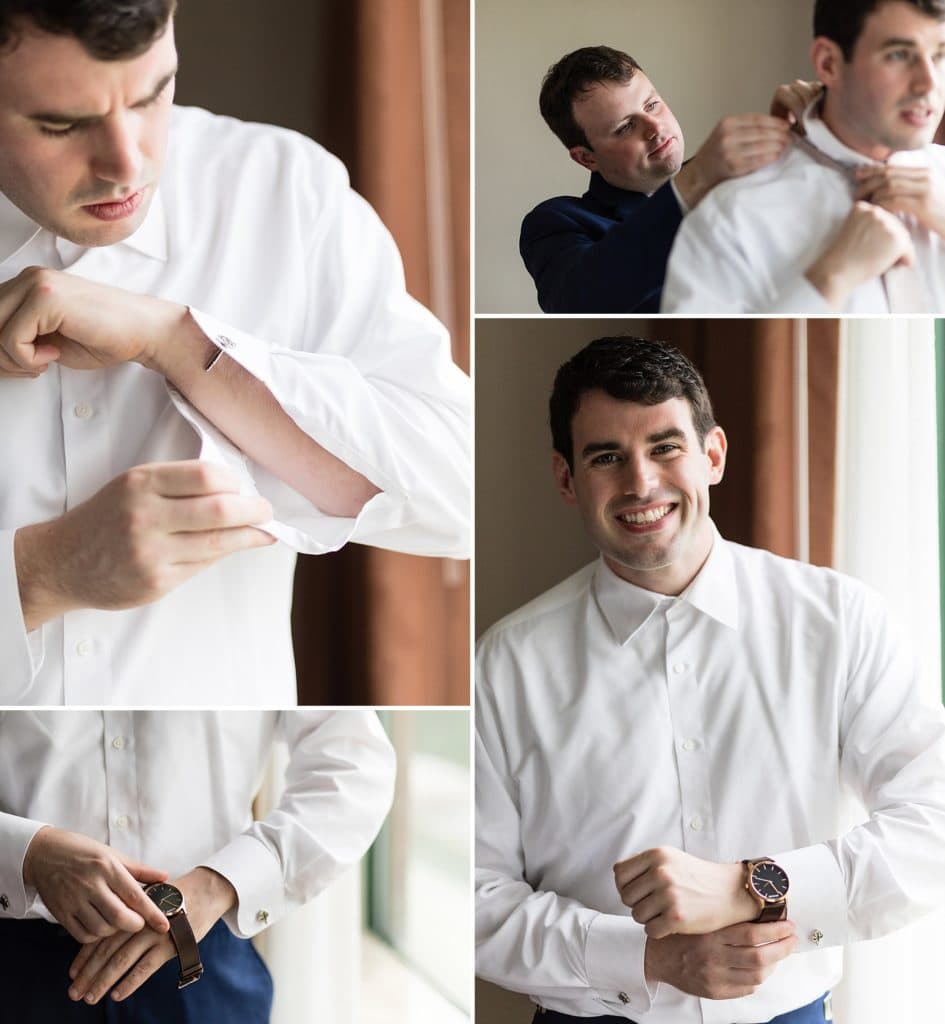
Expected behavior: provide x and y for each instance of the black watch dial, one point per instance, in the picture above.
(168, 897)
(769, 881)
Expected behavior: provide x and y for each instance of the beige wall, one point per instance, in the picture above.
(707, 59)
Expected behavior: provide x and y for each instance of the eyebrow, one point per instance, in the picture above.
(671, 433)
(60, 118)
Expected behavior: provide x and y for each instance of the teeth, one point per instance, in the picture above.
(651, 515)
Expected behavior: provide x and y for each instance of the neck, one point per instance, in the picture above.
(833, 118)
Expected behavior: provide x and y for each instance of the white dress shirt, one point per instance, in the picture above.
(725, 722)
(175, 789)
(257, 230)
(747, 245)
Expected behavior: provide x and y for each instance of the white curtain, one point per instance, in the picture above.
(887, 536)
(314, 955)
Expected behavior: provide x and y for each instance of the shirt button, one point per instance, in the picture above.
(689, 745)
(84, 648)
(696, 824)
(680, 667)
(262, 916)
(623, 997)
(83, 411)
(119, 742)
(122, 821)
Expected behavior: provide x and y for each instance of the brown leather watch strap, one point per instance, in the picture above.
(772, 912)
(187, 952)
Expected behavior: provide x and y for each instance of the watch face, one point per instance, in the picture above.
(769, 881)
(168, 897)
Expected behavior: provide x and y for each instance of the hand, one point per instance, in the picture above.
(48, 315)
(92, 890)
(671, 892)
(738, 145)
(912, 190)
(791, 100)
(127, 961)
(143, 534)
(725, 964)
(870, 242)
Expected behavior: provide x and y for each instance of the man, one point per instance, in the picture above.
(851, 219)
(202, 350)
(676, 723)
(606, 251)
(96, 804)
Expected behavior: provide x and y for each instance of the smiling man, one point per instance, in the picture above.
(663, 741)
(606, 251)
(852, 218)
(205, 347)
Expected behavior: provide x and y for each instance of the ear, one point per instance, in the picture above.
(563, 478)
(583, 156)
(716, 445)
(827, 59)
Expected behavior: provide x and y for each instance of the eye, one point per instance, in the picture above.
(897, 56)
(625, 129)
(58, 132)
(666, 449)
(605, 459)
(655, 105)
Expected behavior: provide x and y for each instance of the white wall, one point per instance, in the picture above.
(707, 57)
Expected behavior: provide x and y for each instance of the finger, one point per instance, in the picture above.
(649, 907)
(216, 512)
(21, 333)
(142, 970)
(92, 921)
(122, 959)
(116, 913)
(192, 549)
(126, 888)
(192, 477)
(754, 957)
(626, 870)
(89, 962)
(639, 888)
(74, 926)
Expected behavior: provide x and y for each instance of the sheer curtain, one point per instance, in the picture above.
(887, 536)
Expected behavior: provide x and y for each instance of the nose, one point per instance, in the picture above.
(650, 126)
(639, 478)
(117, 157)
(926, 75)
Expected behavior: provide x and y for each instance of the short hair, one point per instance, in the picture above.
(108, 29)
(843, 20)
(633, 370)
(574, 74)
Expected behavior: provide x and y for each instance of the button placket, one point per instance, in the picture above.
(685, 704)
(121, 782)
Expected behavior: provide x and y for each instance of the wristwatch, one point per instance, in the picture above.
(170, 901)
(768, 883)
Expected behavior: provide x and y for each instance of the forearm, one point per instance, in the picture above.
(38, 558)
(244, 410)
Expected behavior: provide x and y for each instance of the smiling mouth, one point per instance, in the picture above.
(661, 148)
(646, 517)
(917, 113)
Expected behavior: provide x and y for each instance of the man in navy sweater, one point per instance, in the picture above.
(606, 251)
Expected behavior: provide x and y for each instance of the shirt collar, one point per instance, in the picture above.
(713, 592)
(819, 135)
(17, 231)
(609, 195)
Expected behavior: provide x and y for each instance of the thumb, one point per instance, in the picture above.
(142, 872)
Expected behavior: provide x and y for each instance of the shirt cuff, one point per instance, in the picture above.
(683, 205)
(256, 875)
(16, 834)
(22, 651)
(817, 897)
(303, 527)
(614, 953)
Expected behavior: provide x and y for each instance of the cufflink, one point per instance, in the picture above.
(623, 997)
(816, 936)
(4, 902)
(262, 916)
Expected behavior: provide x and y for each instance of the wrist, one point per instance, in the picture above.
(35, 559)
(831, 282)
(170, 346)
(33, 850)
(691, 182)
(210, 889)
(744, 906)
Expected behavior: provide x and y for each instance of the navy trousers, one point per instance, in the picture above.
(34, 963)
(813, 1013)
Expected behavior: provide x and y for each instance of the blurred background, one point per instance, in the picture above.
(384, 86)
(391, 941)
(836, 456)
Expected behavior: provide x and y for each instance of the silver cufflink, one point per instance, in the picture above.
(816, 936)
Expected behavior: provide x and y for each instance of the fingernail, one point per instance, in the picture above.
(74, 993)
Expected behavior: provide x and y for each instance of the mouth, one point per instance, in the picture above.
(662, 148)
(919, 115)
(116, 209)
(646, 520)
